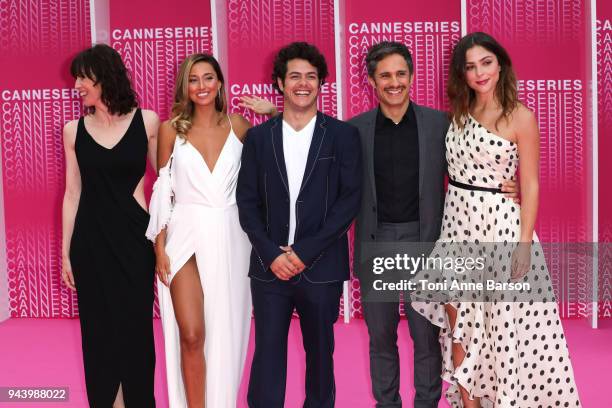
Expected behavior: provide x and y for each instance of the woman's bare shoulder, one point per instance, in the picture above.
(240, 125)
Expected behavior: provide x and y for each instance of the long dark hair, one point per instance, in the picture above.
(103, 65)
(461, 96)
(182, 108)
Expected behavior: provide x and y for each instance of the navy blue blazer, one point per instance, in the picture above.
(328, 201)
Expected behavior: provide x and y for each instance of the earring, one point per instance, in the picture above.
(218, 100)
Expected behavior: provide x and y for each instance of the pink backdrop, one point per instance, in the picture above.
(548, 41)
(257, 29)
(37, 40)
(429, 29)
(153, 41)
(604, 68)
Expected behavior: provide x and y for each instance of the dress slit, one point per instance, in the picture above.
(175, 271)
(204, 223)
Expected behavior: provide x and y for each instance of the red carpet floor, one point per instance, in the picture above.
(41, 352)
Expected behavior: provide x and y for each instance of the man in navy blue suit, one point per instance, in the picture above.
(299, 189)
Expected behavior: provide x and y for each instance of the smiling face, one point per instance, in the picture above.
(89, 91)
(300, 86)
(392, 80)
(203, 85)
(481, 70)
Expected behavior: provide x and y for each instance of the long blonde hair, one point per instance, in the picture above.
(183, 107)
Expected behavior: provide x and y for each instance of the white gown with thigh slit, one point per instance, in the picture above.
(198, 207)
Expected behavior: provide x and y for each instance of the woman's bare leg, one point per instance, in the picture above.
(188, 302)
(458, 356)
(119, 403)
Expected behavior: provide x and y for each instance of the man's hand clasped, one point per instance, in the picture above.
(287, 264)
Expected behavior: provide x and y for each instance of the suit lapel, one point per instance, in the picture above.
(418, 113)
(276, 132)
(370, 133)
(318, 137)
(422, 136)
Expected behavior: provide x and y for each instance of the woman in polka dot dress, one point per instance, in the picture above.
(502, 352)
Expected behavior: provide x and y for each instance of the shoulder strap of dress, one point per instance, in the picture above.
(81, 124)
(230, 123)
(137, 124)
(177, 139)
(80, 127)
(171, 158)
(138, 116)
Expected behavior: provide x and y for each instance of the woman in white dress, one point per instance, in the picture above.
(506, 349)
(202, 253)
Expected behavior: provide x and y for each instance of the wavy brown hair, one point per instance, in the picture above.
(103, 65)
(183, 107)
(462, 97)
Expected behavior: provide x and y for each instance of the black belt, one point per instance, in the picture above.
(470, 187)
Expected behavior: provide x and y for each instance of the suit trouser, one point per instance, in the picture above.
(318, 307)
(382, 319)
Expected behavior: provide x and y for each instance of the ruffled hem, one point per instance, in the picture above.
(475, 382)
(471, 339)
(500, 340)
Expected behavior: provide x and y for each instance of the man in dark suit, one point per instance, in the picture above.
(402, 201)
(298, 191)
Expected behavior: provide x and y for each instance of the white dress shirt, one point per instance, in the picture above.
(296, 145)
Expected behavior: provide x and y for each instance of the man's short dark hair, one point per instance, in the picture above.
(298, 50)
(379, 51)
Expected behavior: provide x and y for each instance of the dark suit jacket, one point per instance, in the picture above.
(432, 126)
(328, 201)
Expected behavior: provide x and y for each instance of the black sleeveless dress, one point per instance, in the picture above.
(114, 267)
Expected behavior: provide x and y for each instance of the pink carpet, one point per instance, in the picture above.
(40, 352)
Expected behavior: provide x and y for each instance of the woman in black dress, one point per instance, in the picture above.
(105, 255)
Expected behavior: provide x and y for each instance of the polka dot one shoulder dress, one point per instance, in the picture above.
(515, 350)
